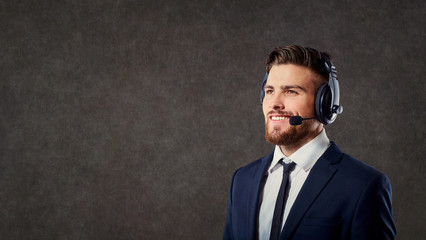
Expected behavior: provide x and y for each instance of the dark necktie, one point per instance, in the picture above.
(279, 204)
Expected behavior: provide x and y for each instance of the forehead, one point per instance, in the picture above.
(291, 74)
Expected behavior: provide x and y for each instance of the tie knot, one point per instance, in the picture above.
(288, 167)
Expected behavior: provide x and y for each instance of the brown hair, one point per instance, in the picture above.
(303, 56)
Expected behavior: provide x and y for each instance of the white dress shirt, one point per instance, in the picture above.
(305, 158)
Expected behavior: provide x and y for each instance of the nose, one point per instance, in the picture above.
(277, 102)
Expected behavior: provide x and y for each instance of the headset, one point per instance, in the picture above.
(327, 97)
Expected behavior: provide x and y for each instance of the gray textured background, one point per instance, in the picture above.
(126, 119)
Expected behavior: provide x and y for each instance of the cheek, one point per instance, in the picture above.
(264, 109)
(312, 101)
(310, 105)
(303, 106)
(265, 113)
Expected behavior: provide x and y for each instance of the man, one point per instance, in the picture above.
(306, 188)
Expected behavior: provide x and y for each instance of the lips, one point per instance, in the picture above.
(279, 117)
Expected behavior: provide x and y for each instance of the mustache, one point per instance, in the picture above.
(280, 112)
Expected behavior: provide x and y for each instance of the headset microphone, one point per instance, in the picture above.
(297, 120)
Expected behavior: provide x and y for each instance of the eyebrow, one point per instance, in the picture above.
(285, 87)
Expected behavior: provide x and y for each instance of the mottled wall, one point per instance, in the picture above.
(126, 119)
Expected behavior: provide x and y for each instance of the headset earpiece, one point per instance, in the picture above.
(328, 96)
(322, 104)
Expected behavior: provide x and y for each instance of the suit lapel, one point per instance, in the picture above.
(255, 190)
(318, 178)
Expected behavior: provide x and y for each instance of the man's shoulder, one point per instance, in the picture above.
(351, 166)
(257, 165)
(354, 163)
(349, 175)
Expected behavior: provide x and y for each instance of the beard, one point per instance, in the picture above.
(293, 135)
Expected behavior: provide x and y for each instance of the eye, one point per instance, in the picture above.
(289, 91)
(268, 91)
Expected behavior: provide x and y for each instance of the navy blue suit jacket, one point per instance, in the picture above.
(342, 198)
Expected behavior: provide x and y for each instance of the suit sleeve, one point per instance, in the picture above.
(373, 216)
(228, 233)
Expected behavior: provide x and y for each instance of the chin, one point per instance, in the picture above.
(292, 135)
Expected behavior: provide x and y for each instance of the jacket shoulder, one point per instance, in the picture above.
(255, 166)
(352, 165)
(349, 164)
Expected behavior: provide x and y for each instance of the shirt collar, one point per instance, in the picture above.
(306, 156)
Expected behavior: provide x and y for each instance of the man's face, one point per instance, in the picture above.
(290, 91)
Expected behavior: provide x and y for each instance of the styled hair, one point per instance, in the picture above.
(298, 55)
